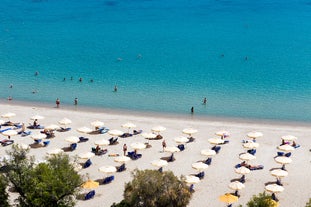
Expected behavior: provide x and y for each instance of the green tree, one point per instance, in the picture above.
(54, 183)
(309, 203)
(261, 200)
(3, 193)
(155, 189)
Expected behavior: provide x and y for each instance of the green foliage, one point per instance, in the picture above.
(53, 183)
(261, 200)
(155, 189)
(309, 203)
(3, 193)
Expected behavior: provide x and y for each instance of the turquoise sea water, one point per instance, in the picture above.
(164, 56)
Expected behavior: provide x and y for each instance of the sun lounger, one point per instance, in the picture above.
(90, 195)
(64, 129)
(73, 146)
(136, 132)
(113, 141)
(200, 175)
(242, 179)
(108, 179)
(171, 158)
(3, 130)
(280, 153)
(216, 148)
(121, 168)
(252, 151)
(35, 127)
(181, 147)
(83, 139)
(191, 188)
(208, 161)
(125, 135)
(87, 164)
(133, 155)
(191, 139)
(258, 167)
(6, 142)
(46, 143)
(288, 154)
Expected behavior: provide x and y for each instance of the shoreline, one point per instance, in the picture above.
(189, 117)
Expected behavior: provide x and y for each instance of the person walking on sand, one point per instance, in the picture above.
(124, 149)
(57, 102)
(163, 145)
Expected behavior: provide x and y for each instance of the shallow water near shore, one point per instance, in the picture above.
(250, 59)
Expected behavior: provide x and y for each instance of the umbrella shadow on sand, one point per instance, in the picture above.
(35, 145)
(269, 183)
(235, 179)
(168, 158)
(275, 168)
(67, 149)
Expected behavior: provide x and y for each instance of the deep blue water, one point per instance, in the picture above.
(251, 59)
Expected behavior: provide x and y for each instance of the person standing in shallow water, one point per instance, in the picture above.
(192, 110)
(57, 102)
(76, 101)
(115, 88)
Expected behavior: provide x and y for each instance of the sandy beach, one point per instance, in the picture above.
(217, 176)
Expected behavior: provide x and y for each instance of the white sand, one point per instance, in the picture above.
(217, 176)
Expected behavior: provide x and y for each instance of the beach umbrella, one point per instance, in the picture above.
(242, 170)
(128, 125)
(208, 152)
(1, 122)
(8, 115)
(190, 179)
(149, 135)
(247, 157)
(171, 149)
(65, 121)
(286, 148)
(55, 151)
(251, 145)
(254, 134)
(158, 129)
(86, 155)
(279, 173)
(122, 159)
(216, 141)
(97, 123)
(274, 188)
(115, 132)
(38, 136)
(9, 133)
(90, 184)
(38, 117)
(200, 166)
(72, 139)
(283, 160)
(189, 131)
(236, 185)
(107, 169)
(138, 145)
(228, 198)
(159, 163)
(52, 127)
(102, 142)
(222, 133)
(181, 139)
(289, 138)
(84, 130)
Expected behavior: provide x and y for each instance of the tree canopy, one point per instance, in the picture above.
(53, 183)
(155, 189)
(261, 200)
